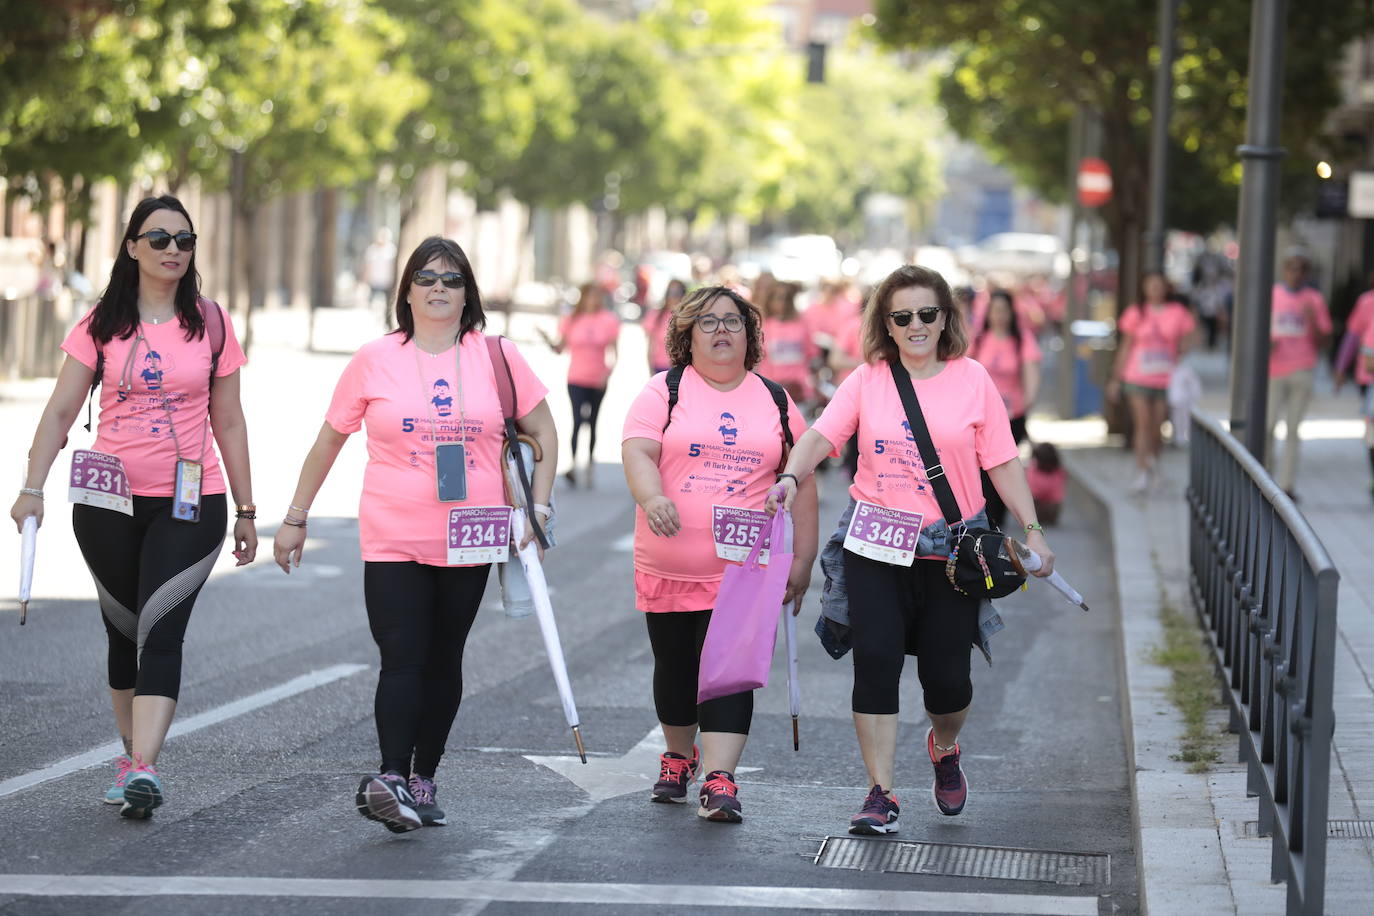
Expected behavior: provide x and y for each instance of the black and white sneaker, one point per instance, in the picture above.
(422, 790)
(386, 799)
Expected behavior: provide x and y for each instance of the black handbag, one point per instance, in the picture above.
(981, 564)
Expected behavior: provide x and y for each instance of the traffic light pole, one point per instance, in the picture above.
(1257, 222)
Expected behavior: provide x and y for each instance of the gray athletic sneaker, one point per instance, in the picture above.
(422, 790)
(386, 799)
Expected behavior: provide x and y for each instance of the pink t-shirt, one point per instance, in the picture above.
(1046, 486)
(1361, 319)
(587, 336)
(1156, 333)
(723, 448)
(1293, 331)
(405, 397)
(967, 423)
(1366, 345)
(1000, 356)
(656, 332)
(133, 423)
(850, 343)
(787, 353)
(830, 318)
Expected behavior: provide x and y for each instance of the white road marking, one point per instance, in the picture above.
(608, 777)
(794, 898)
(106, 752)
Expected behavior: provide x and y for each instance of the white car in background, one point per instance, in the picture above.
(1019, 254)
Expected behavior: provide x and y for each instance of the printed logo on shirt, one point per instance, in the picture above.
(906, 427)
(729, 428)
(152, 371)
(442, 400)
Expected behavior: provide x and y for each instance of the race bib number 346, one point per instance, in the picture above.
(478, 534)
(886, 535)
(99, 480)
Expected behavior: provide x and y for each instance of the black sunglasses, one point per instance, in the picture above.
(451, 278)
(158, 239)
(903, 318)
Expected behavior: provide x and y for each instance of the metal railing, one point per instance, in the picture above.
(1265, 590)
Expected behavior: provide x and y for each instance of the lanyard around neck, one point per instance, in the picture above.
(458, 384)
(126, 384)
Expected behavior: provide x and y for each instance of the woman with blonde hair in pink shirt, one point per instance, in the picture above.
(701, 447)
(150, 507)
(433, 515)
(587, 334)
(899, 600)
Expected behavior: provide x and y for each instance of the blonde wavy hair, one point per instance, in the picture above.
(878, 345)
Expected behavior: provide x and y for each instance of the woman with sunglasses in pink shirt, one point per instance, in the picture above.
(150, 511)
(899, 599)
(433, 515)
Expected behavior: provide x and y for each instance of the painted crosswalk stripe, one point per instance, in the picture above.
(97, 756)
(562, 892)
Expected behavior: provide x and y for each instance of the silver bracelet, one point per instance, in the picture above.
(31, 491)
(543, 510)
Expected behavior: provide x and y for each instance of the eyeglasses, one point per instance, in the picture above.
(710, 323)
(452, 279)
(158, 239)
(927, 315)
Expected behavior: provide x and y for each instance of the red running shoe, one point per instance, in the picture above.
(718, 801)
(877, 816)
(675, 774)
(950, 788)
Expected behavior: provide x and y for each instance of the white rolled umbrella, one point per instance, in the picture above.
(1032, 561)
(539, 591)
(27, 550)
(793, 686)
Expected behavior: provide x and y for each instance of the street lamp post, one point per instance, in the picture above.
(1159, 138)
(1258, 218)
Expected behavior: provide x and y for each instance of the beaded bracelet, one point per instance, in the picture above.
(31, 491)
(1035, 526)
(294, 522)
(243, 513)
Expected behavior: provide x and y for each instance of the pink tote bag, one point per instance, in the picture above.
(738, 650)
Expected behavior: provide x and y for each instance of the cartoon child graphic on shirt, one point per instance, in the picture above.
(442, 400)
(152, 370)
(729, 429)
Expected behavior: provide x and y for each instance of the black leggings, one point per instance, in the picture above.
(148, 569)
(676, 639)
(586, 405)
(892, 608)
(420, 617)
(996, 509)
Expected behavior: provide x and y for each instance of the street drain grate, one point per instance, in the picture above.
(1335, 830)
(965, 861)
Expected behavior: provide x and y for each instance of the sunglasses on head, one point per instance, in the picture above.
(450, 278)
(158, 239)
(903, 318)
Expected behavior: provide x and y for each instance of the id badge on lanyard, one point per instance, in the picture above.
(186, 492)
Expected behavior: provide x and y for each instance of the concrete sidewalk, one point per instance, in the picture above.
(1197, 854)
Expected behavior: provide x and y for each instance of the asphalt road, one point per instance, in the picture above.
(259, 815)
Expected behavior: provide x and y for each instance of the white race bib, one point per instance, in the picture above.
(883, 534)
(478, 534)
(98, 479)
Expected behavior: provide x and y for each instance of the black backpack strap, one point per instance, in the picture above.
(935, 472)
(214, 328)
(505, 388)
(779, 394)
(95, 382)
(674, 380)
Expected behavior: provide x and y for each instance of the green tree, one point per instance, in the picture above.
(1017, 69)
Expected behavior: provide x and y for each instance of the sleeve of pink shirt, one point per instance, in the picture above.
(840, 418)
(350, 399)
(649, 412)
(231, 358)
(1129, 320)
(992, 440)
(79, 345)
(529, 390)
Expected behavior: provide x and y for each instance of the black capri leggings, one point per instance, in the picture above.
(996, 509)
(895, 607)
(420, 617)
(148, 569)
(586, 405)
(676, 639)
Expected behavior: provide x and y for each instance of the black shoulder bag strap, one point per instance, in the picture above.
(935, 472)
(674, 381)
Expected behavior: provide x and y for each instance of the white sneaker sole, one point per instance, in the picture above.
(375, 802)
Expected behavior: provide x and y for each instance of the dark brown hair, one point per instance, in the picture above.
(447, 249)
(679, 336)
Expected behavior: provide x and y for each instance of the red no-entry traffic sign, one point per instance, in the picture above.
(1094, 182)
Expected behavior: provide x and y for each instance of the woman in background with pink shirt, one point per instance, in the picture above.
(587, 334)
(693, 462)
(1299, 329)
(788, 350)
(655, 324)
(1012, 358)
(905, 600)
(169, 378)
(1154, 335)
(427, 394)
